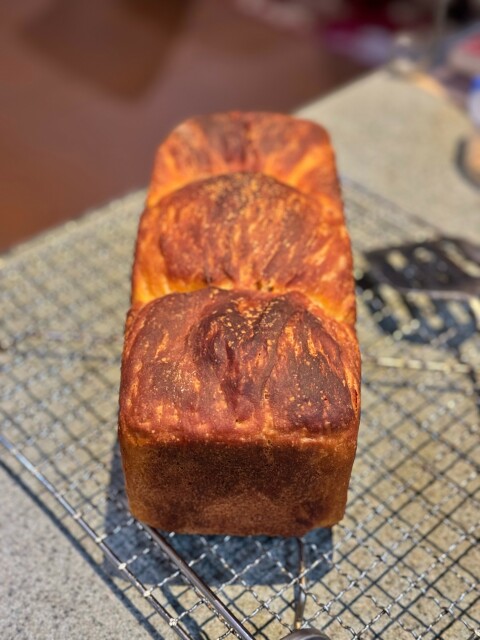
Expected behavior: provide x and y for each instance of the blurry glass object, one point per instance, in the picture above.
(405, 55)
(416, 51)
(367, 29)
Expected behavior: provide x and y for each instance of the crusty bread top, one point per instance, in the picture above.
(295, 152)
(246, 231)
(237, 365)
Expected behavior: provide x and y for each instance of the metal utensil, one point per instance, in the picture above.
(306, 634)
(222, 610)
(437, 287)
(445, 268)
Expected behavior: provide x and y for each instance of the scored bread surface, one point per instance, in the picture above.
(240, 390)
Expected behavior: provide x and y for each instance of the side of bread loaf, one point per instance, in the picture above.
(240, 391)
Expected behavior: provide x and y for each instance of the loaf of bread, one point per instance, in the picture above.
(240, 389)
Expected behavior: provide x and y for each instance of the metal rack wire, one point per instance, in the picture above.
(400, 565)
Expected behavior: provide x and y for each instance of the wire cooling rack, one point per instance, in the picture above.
(402, 564)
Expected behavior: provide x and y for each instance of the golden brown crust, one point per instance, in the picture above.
(239, 399)
(238, 365)
(249, 231)
(293, 151)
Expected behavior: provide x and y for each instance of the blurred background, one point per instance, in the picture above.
(88, 88)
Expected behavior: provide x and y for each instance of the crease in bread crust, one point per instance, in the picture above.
(244, 230)
(240, 386)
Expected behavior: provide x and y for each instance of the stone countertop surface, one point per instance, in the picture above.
(402, 143)
(391, 137)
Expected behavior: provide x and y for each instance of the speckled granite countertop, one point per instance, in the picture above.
(394, 139)
(402, 143)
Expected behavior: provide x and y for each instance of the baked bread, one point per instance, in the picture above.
(244, 230)
(295, 152)
(240, 390)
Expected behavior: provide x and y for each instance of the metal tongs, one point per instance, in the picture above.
(235, 624)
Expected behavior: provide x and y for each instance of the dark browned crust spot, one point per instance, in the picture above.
(237, 364)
